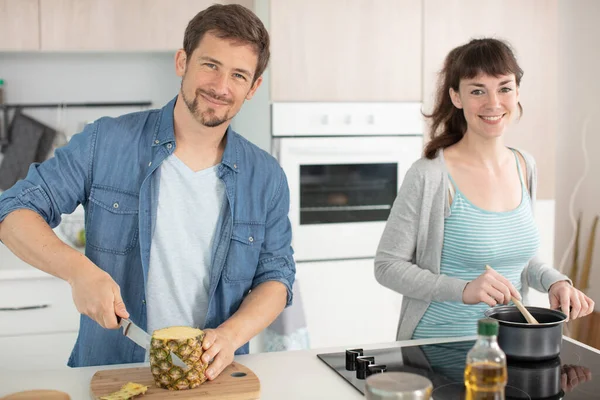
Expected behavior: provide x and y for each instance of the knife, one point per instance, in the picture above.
(142, 339)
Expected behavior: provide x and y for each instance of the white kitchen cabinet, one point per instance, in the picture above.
(33, 338)
(346, 50)
(116, 25)
(36, 352)
(20, 300)
(344, 305)
(531, 28)
(19, 25)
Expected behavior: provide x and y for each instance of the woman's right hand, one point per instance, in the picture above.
(98, 296)
(490, 288)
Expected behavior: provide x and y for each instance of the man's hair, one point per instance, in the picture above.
(231, 21)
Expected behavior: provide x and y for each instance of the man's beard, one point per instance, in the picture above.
(208, 117)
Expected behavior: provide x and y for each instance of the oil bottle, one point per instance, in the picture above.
(485, 372)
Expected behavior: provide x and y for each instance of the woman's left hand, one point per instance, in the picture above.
(574, 303)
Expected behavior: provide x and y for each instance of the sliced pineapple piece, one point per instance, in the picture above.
(128, 391)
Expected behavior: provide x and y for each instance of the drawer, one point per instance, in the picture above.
(36, 352)
(36, 306)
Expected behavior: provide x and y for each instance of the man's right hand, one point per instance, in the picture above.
(490, 288)
(98, 296)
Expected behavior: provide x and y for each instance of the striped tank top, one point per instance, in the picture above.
(474, 237)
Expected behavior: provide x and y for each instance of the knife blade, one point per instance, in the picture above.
(142, 339)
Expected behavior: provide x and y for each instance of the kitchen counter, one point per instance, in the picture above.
(277, 382)
(304, 375)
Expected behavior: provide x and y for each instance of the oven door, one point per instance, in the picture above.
(342, 190)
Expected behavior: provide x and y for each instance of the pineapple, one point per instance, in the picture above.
(127, 392)
(186, 342)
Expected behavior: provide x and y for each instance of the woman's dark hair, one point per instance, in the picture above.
(480, 56)
(231, 21)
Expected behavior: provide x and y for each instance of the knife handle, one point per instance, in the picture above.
(121, 324)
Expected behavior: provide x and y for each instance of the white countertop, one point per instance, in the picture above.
(277, 382)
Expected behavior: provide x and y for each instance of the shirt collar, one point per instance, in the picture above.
(165, 133)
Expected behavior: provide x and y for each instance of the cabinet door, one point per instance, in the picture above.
(36, 306)
(37, 352)
(345, 306)
(19, 25)
(116, 25)
(531, 28)
(346, 50)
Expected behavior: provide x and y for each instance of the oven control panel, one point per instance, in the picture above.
(346, 119)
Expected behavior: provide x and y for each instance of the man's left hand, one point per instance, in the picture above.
(573, 302)
(219, 347)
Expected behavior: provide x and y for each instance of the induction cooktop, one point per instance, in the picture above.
(574, 375)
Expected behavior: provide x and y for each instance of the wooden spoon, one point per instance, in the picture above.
(530, 318)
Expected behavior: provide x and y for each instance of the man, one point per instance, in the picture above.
(186, 221)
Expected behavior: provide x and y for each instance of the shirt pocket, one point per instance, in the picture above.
(244, 251)
(113, 220)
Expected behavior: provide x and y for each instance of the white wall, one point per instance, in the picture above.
(579, 99)
(579, 62)
(254, 119)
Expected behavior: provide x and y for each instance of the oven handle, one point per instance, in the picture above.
(341, 151)
(347, 208)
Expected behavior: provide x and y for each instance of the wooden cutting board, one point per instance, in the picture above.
(38, 395)
(236, 382)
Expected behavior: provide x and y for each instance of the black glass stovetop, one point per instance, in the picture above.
(574, 375)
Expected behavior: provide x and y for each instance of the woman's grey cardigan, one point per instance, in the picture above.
(409, 252)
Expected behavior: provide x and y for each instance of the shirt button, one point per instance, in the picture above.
(235, 166)
(116, 205)
(169, 146)
(251, 239)
(157, 141)
(143, 301)
(150, 163)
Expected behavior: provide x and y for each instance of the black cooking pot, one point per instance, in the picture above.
(528, 342)
(534, 380)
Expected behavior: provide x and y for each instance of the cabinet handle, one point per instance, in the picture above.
(24, 307)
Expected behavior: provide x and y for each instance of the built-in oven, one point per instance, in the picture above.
(344, 163)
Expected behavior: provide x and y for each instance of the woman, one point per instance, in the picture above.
(466, 204)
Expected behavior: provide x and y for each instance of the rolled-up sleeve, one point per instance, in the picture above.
(58, 185)
(276, 261)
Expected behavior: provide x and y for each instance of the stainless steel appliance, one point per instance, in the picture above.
(344, 163)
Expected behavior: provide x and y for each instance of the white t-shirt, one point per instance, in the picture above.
(189, 206)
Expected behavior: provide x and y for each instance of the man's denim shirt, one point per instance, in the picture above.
(109, 168)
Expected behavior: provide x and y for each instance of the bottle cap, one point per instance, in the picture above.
(487, 327)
